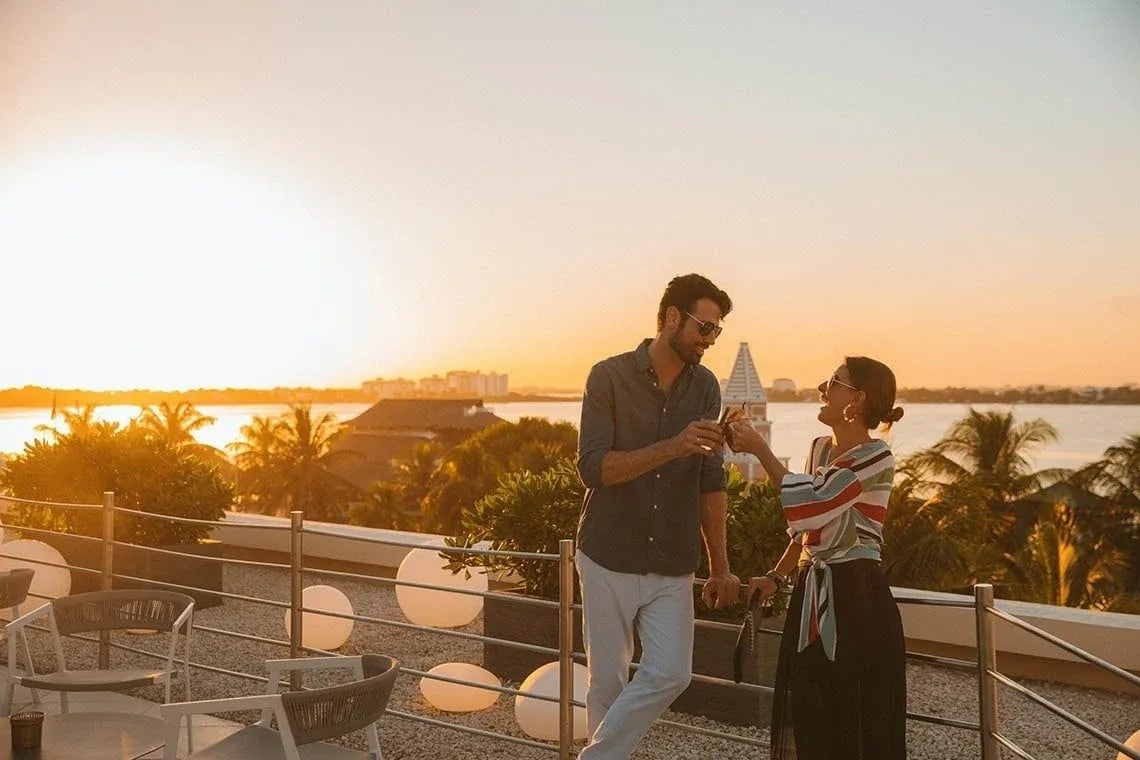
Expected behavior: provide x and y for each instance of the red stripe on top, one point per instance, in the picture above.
(814, 509)
(843, 463)
(872, 511)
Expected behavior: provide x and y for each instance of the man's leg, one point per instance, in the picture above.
(609, 603)
(665, 625)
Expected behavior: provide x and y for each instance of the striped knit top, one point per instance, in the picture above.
(836, 512)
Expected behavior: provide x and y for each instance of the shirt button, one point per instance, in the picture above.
(655, 506)
(651, 539)
(658, 474)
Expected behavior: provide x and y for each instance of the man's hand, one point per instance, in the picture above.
(699, 437)
(720, 591)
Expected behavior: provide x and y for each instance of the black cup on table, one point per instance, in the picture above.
(27, 729)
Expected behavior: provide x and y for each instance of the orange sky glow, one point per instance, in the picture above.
(271, 194)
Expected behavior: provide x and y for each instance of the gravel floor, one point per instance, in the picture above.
(933, 690)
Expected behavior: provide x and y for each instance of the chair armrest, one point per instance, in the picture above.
(23, 621)
(186, 613)
(206, 706)
(276, 667)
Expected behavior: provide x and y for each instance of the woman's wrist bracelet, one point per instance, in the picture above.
(776, 578)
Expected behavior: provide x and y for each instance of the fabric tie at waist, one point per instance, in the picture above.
(817, 616)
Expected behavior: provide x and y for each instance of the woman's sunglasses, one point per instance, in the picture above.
(705, 329)
(833, 380)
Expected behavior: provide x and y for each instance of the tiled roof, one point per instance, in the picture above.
(425, 414)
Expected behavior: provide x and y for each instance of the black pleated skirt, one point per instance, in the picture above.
(855, 707)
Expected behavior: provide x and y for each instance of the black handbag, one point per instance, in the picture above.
(754, 659)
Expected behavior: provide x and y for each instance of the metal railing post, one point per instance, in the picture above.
(565, 648)
(987, 660)
(296, 553)
(107, 581)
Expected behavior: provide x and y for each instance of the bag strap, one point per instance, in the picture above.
(746, 637)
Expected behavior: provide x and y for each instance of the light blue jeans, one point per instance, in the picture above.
(660, 608)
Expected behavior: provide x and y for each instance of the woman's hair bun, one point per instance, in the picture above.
(893, 415)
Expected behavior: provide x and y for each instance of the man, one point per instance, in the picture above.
(650, 456)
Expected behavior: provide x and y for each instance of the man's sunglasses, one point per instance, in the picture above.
(833, 380)
(705, 329)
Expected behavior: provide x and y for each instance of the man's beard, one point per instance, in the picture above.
(688, 354)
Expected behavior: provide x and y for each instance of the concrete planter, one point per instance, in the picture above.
(140, 563)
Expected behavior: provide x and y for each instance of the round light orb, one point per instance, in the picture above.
(441, 609)
(48, 582)
(1133, 743)
(459, 698)
(322, 631)
(539, 718)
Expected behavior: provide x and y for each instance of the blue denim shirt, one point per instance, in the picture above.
(650, 524)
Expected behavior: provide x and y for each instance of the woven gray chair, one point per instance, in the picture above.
(98, 611)
(304, 718)
(14, 585)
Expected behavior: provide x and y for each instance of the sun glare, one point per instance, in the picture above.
(143, 266)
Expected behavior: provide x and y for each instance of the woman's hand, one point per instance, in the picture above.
(743, 436)
(765, 585)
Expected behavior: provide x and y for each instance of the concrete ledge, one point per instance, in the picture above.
(950, 632)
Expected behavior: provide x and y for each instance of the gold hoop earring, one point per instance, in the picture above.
(846, 411)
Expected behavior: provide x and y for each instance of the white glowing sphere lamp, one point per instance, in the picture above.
(1133, 743)
(323, 631)
(48, 582)
(439, 609)
(460, 698)
(539, 718)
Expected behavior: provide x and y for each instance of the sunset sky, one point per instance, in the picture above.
(283, 193)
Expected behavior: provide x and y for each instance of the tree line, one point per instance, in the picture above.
(970, 508)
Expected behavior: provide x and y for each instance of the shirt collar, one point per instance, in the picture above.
(643, 363)
(641, 356)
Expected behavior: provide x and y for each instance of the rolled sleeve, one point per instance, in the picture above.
(713, 476)
(596, 431)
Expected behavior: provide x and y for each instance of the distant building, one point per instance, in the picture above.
(478, 384)
(382, 388)
(743, 386)
(391, 428)
(783, 385)
(433, 385)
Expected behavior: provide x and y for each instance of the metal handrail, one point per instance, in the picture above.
(196, 521)
(40, 503)
(1061, 712)
(519, 598)
(191, 555)
(1070, 648)
(433, 547)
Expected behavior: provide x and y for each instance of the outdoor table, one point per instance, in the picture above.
(90, 736)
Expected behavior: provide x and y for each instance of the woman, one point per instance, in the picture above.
(841, 678)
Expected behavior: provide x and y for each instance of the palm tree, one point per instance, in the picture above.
(287, 460)
(1116, 479)
(926, 541)
(257, 455)
(1068, 561)
(80, 422)
(981, 472)
(174, 424)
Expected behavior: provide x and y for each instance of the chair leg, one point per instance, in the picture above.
(63, 702)
(9, 695)
(31, 667)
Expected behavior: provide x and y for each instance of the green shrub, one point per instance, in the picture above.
(146, 474)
